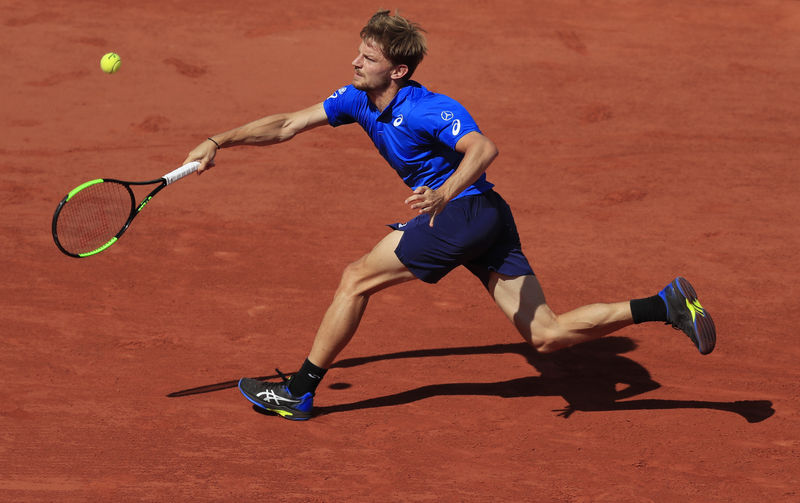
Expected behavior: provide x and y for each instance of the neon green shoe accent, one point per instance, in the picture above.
(83, 186)
(98, 250)
(283, 413)
(695, 309)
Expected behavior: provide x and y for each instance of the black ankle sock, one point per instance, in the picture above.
(306, 379)
(649, 309)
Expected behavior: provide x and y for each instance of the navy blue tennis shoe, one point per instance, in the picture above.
(684, 312)
(276, 397)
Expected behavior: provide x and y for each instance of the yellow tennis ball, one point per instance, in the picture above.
(110, 62)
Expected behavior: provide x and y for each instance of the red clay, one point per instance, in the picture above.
(638, 141)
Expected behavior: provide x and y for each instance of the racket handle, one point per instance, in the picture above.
(186, 169)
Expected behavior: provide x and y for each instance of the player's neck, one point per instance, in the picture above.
(382, 97)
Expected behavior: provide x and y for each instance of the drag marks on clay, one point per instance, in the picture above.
(597, 113)
(41, 17)
(623, 196)
(186, 69)
(257, 311)
(93, 41)
(58, 78)
(16, 193)
(744, 69)
(572, 41)
(150, 342)
(259, 31)
(227, 255)
(152, 124)
(24, 123)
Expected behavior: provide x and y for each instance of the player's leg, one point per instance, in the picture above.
(522, 300)
(378, 269)
(506, 273)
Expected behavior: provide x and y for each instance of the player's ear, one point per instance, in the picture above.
(399, 71)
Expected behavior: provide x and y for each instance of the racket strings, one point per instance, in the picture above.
(93, 216)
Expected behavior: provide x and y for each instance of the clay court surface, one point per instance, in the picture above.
(639, 141)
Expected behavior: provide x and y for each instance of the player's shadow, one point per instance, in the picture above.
(591, 377)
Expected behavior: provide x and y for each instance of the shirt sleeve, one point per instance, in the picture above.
(339, 106)
(448, 120)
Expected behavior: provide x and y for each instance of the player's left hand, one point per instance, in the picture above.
(427, 200)
(565, 412)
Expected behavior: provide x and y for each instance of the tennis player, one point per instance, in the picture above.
(436, 147)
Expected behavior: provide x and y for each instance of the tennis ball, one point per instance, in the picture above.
(110, 62)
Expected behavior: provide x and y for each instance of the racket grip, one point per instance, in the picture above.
(186, 169)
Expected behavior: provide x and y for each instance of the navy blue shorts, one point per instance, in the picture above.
(477, 232)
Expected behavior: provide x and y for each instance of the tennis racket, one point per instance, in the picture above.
(95, 214)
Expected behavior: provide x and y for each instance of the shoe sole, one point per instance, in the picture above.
(704, 330)
(286, 414)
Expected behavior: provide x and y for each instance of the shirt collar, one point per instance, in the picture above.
(398, 100)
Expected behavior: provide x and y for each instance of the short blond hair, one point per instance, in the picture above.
(401, 41)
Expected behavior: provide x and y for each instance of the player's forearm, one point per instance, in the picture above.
(273, 128)
(477, 158)
(265, 131)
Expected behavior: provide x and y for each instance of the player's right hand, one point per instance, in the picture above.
(427, 200)
(204, 153)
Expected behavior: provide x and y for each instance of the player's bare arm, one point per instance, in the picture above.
(265, 131)
(479, 152)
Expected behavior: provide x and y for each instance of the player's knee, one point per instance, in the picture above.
(543, 343)
(540, 328)
(546, 338)
(351, 280)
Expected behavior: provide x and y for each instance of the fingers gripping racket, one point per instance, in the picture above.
(95, 214)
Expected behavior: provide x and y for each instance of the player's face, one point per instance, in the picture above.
(372, 71)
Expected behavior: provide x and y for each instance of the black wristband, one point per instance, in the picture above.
(212, 141)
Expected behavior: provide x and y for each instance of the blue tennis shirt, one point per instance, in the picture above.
(416, 133)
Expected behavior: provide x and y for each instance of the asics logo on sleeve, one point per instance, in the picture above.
(336, 93)
(398, 120)
(448, 116)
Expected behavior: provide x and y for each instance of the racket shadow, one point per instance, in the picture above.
(210, 388)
